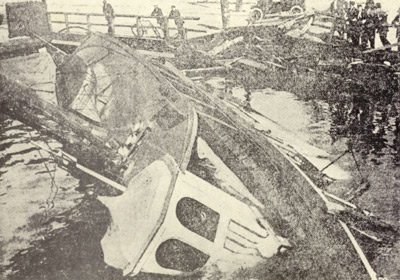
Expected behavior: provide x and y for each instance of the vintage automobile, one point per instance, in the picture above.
(265, 7)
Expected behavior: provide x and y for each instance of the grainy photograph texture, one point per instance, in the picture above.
(199, 139)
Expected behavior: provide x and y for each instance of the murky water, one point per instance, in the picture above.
(368, 123)
(49, 220)
(365, 128)
(52, 224)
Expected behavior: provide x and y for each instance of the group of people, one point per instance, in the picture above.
(363, 23)
(162, 21)
(108, 12)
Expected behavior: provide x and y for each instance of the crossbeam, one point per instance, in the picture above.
(116, 15)
(136, 24)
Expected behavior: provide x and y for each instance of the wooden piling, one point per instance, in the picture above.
(239, 5)
(66, 22)
(225, 13)
(88, 23)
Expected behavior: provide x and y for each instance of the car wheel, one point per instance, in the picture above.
(296, 10)
(256, 14)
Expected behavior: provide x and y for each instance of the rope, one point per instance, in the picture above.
(329, 204)
(332, 162)
(54, 187)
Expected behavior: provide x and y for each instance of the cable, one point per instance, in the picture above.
(54, 188)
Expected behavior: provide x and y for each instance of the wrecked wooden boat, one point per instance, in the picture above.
(296, 53)
(201, 187)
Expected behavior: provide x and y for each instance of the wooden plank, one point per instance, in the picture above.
(297, 33)
(307, 26)
(195, 30)
(66, 157)
(274, 22)
(367, 265)
(209, 26)
(177, 73)
(382, 48)
(46, 42)
(313, 38)
(202, 71)
(316, 24)
(290, 23)
(228, 62)
(67, 43)
(155, 54)
(258, 65)
(226, 45)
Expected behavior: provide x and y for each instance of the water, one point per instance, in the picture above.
(52, 224)
(368, 125)
(52, 229)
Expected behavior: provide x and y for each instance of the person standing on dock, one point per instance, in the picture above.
(176, 15)
(338, 10)
(157, 12)
(108, 12)
(396, 23)
(353, 29)
(368, 20)
(382, 25)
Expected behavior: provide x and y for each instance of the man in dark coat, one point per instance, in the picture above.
(338, 10)
(382, 25)
(353, 28)
(396, 23)
(157, 12)
(368, 20)
(264, 5)
(108, 12)
(176, 15)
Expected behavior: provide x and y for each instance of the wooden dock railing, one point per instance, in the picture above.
(138, 24)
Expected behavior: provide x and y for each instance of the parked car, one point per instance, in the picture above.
(264, 7)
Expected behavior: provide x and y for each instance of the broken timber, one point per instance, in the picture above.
(258, 65)
(204, 71)
(382, 48)
(226, 45)
(155, 54)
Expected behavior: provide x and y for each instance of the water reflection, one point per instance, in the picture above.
(369, 124)
(51, 223)
(367, 121)
(72, 251)
(64, 242)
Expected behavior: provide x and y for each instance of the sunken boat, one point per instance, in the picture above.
(201, 186)
(299, 53)
(198, 184)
